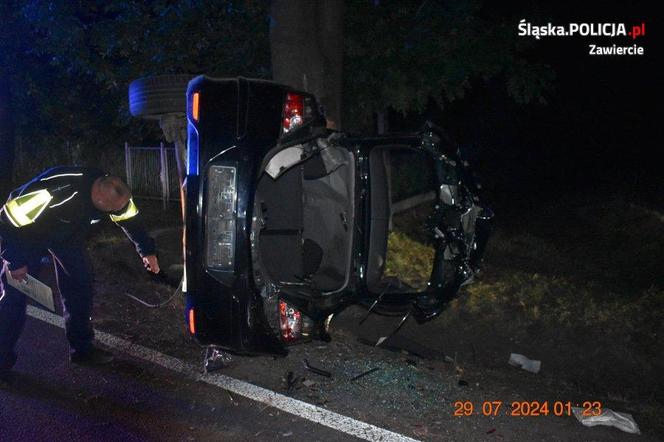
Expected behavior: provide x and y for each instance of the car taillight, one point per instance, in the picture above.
(195, 104)
(293, 111)
(290, 321)
(192, 322)
(220, 217)
(298, 109)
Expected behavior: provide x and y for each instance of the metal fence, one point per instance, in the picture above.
(152, 172)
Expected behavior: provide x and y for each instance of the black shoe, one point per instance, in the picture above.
(92, 357)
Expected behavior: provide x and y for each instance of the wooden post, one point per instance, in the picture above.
(168, 175)
(388, 174)
(128, 165)
(163, 175)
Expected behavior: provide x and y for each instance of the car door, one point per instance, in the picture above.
(426, 228)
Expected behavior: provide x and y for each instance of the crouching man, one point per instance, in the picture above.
(53, 213)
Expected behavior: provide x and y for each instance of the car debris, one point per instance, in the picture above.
(291, 381)
(608, 417)
(215, 358)
(520, 361)
(382, 339)
(318, 371)
(361, 375)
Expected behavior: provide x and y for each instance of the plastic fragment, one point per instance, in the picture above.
(215, 358)
(361, 375)
(608, 417)
(318, 371)
(520, 361)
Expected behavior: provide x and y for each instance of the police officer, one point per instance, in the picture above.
(53, 213)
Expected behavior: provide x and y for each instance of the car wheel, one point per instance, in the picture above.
(152, 97)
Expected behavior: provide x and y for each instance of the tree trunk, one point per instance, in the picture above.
(306, 42)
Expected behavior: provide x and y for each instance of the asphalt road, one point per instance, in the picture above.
(130, 400)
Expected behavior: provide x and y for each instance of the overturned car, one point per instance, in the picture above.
(287, 222)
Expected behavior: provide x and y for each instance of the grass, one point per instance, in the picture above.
(408, 259)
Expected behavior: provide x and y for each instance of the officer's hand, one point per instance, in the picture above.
(20, 273)
(151, 263)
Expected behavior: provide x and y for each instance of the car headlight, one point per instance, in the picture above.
(221, 196)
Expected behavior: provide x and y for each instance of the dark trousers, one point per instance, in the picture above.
(75, 286)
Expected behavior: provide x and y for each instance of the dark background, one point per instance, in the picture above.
(594, 136)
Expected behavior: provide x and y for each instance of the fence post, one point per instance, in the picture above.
(168, 175)
(163, 175)
(128, 165)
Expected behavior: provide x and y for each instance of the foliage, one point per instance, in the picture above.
(78, 58)
(71, 62)
(409, 260)
(401, 54)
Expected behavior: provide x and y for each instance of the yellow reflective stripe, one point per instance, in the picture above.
(9, 217)
(131, 211)
(25, 209)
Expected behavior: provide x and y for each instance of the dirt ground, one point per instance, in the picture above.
(524, 302)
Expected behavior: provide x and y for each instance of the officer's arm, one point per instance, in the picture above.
(131, 224)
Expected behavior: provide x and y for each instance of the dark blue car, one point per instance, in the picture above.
(288, 222)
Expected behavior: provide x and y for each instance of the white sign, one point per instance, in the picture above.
(34, 289)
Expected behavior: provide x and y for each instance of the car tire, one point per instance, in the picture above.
(153, 97)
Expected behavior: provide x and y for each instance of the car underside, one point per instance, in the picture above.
(287, 227)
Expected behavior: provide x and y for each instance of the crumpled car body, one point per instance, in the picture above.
(288, 223)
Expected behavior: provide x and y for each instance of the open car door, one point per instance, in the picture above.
(427, 228)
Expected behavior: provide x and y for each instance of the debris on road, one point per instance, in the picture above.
(463, 383)
(291, 381)
(608, 417)
(308, 383)
(520, 361)
(215, 358)
(380, 340)
(318, 371)
(361, 375)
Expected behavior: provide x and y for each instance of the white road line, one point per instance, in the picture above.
(304, 410)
